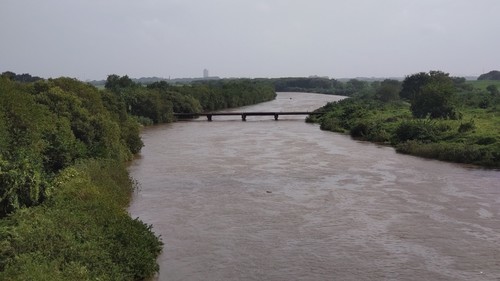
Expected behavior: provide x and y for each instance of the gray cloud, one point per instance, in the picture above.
(89, 39)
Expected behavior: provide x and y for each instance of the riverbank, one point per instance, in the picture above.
(474, 138)
(64, 188)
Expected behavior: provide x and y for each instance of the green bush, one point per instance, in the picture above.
(82, 232)
(420, 130)
(486, 140)
(467, 126)
(331, 124)
(454, 152)
(360, 130)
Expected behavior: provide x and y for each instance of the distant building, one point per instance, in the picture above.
(205, 73)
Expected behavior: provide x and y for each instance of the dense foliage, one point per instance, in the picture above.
(64, 188)
(434, 116)
(319, 85)
(81, 232)
(430, 94)
(158, 101)
(48, 125)
(219, 94)
(25, 77)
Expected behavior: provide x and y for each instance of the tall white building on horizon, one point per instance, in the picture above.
(205, 73)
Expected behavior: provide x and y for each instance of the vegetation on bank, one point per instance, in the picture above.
(313, 84)
(64, 187)
(319, 85)
(430, 115)
(81, 231)
(157, 102)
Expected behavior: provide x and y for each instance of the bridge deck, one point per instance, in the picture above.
(245, 114)
(262, 113)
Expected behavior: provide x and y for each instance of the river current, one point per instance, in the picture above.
(283, 200)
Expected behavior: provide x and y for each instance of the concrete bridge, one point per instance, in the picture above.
(244, 115)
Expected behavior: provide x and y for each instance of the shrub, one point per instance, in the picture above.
(361, 129)
(81, 233)
(486, 140)
(453, 152)
(331, 124)
(421, 130)
(467, 127)
(145, 121)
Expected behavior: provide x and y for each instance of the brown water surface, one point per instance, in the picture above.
(283, 200)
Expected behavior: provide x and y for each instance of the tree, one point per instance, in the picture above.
(162, 85)
(430, 94)
(9, 75)
(413, 84)
(388, 90)
(23, 123)
(116, 83)
(493, 90)
(434, 101)
(356, 85)
(25, 77)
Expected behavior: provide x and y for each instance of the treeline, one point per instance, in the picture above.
(429, 114)
(319, 85)
(64, 188)
(291, 84)
(25, 77)
(157, 102)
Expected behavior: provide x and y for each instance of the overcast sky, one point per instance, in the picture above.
(90, 39)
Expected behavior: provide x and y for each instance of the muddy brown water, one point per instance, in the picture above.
(283, 200)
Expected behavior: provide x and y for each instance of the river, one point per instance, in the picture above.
(283, 200)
